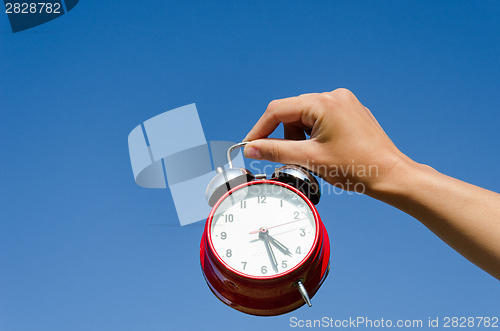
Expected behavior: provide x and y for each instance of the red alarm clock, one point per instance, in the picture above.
(264, 250)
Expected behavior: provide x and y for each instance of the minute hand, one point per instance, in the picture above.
(269, 249)
(283, 249)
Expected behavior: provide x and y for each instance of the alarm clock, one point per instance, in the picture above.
(264, 249)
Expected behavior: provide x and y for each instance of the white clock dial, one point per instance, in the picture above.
(263, 230)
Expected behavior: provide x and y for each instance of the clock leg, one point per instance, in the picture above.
(303, 292)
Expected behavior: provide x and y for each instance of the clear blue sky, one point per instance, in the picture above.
(77, 248)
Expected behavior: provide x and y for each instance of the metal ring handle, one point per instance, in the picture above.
(232, 148)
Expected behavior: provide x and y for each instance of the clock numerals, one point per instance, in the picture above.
(228, 218)
(264, 233)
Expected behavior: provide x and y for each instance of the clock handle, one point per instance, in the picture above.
(232, 148)
(226, 179)
(303, 292)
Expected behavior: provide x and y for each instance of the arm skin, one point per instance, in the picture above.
(344, 133)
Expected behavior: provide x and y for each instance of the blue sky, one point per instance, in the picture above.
(79, 248)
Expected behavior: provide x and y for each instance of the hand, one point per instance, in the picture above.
(344, 136)
(348, 148)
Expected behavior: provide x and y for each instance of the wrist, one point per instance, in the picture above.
(395, 185)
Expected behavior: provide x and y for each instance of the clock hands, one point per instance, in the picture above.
(283, 249)
(264, 235)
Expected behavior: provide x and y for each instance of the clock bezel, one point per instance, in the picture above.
(286, 273)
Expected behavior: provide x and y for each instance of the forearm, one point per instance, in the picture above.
(465, 216)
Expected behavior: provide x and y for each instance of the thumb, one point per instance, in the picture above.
(278, 150)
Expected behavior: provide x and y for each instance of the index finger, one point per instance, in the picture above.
(289, 110)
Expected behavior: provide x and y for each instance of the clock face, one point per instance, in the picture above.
(263, 230)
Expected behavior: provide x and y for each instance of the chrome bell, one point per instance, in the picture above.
(299, 178)
(227, 179)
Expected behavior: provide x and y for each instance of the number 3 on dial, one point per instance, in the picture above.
(266, 232)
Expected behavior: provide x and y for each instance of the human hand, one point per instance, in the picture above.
(346, 142)
(347, 147)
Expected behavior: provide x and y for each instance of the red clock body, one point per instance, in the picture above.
(258, 273)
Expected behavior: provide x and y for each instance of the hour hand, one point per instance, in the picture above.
(283, 249)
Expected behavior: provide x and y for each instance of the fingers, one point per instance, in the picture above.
(298, 110)
(278, 150)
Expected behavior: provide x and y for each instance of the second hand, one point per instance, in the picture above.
(275, 226)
